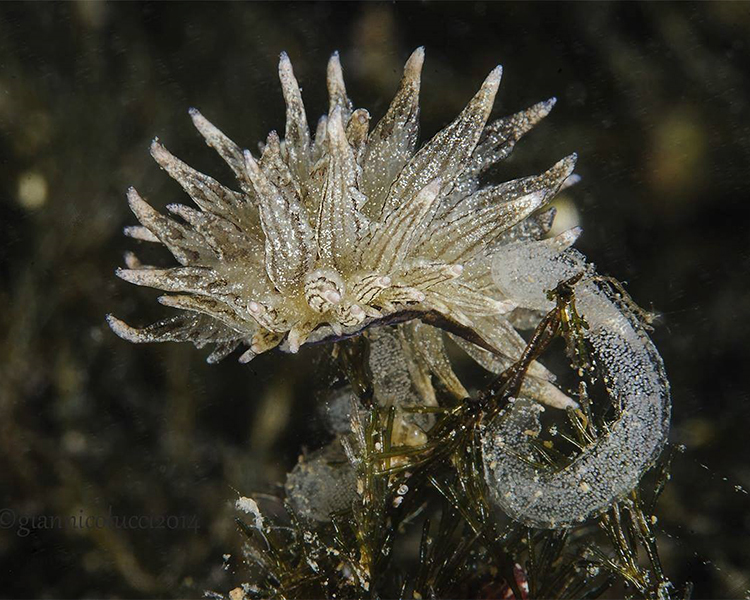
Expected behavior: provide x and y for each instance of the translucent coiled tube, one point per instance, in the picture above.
(634, 375)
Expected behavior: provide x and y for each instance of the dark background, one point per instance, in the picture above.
(653, 97)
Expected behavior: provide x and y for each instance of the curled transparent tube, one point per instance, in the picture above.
(634, 374)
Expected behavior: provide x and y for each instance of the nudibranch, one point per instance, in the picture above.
(328, 234)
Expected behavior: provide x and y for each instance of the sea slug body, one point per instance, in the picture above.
(327, 234)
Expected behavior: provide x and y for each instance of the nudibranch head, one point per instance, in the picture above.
(327, 234)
